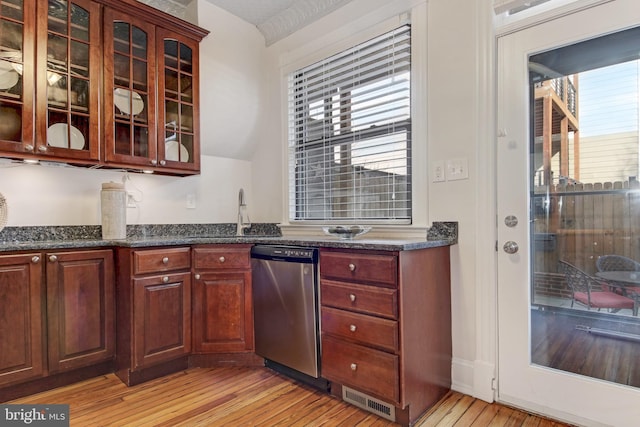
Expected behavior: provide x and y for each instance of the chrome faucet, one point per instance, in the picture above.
(242, 226)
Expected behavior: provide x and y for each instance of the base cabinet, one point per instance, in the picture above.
(154, 312)
(58, 313)
(222, 308)
(386, 332)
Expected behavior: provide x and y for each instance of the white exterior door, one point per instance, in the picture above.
(522, 382)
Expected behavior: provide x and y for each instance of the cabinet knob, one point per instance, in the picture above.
(35, 259)
(352, 328)
(354, 366)
(221, 259)
(28, 147)
(197, 276)
(154, 162)
(42, 148)
(165, 279)
(352, 297)
(165, 260)
(53, 258)
(162, 162)
(352, 267)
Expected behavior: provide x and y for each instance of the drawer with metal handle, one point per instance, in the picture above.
(359, 267)
(367, 369)
(361, 328)
(159, 260)
(221, 257)
(361, 298)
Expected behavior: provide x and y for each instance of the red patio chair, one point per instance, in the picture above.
(589, 291)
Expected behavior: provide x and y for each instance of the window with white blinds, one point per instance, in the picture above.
(350, 134)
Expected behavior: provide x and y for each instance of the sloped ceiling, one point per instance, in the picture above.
(275, 19)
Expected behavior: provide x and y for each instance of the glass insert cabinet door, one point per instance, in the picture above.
(178, 89)
(17, 18)
(67, 79)
(129, 90)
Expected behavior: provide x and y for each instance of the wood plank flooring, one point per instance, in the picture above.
(235, 396)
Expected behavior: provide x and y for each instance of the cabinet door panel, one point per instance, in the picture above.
(162, 318)
(129, 90)
(21, 339)
(17, 20)
(68, 75)
(223, 315)
(80, 308)
(178, 106)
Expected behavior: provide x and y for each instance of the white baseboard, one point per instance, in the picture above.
(474, 378)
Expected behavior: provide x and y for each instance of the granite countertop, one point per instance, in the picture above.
(139, 236)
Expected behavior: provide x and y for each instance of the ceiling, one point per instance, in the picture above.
(275, 19)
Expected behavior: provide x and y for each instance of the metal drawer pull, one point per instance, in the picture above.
(35, 259)
(53, 258)
(352, 267)
(352, 297)
(354, 366)
(165, 279)
(165, 260)
(221, 259)
(352, 328)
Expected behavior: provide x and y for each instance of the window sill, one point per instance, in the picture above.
(382, 232)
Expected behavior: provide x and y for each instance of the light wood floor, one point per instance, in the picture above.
(234, 396)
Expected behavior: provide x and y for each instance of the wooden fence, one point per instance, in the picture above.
(579, 222)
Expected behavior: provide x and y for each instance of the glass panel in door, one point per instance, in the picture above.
(131, 90)
(69, 78)
(178, 102)
(12, 56)
(585, 201)
(567, 157)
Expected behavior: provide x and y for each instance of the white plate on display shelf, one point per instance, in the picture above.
(8, 75)
(128, 102)
(171, 152)
(57, 137)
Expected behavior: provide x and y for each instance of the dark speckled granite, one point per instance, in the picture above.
(68, 237)
(443, 231)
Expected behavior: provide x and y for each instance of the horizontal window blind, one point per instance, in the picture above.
(350, 134)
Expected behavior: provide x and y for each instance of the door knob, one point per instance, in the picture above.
(510, 247)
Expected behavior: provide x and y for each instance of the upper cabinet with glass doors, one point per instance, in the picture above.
(79, 80)
(17, 24)
(68, 76)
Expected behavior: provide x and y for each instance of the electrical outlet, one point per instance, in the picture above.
(131, 201)
(191, 201)
(438, 171)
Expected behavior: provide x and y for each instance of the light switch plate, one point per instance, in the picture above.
(191, 201)
(438, 171)
(457, 169)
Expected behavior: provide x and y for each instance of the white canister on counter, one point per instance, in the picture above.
(113, 206)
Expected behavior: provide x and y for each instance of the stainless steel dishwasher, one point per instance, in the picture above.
(285, 303)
